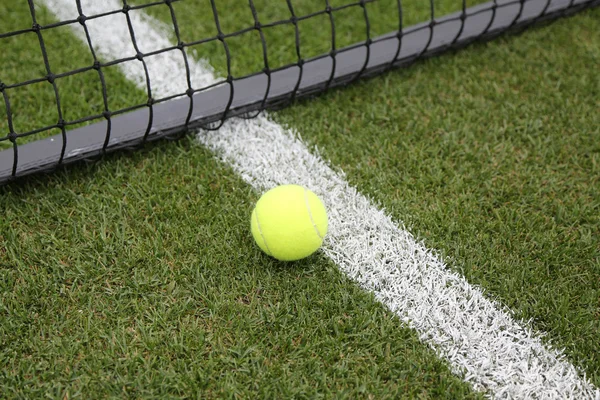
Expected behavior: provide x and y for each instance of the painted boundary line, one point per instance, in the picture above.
(479, 337)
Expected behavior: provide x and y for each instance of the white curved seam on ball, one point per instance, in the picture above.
(261, 233)
(312, 220)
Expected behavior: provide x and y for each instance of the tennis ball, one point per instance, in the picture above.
(289, 222)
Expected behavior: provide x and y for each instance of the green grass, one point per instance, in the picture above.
(34, 106)
(196, 22)
(492, 156)
(138, 276)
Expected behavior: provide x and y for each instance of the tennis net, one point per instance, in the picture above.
(268, 52)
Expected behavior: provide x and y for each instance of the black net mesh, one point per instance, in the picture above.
(65, 98)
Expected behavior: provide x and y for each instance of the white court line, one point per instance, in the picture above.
(478, 337)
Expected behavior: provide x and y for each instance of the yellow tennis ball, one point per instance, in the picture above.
(289, 222)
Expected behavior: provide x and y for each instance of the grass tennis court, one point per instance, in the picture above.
(138, 277)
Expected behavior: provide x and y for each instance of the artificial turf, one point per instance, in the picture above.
(138, 276)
